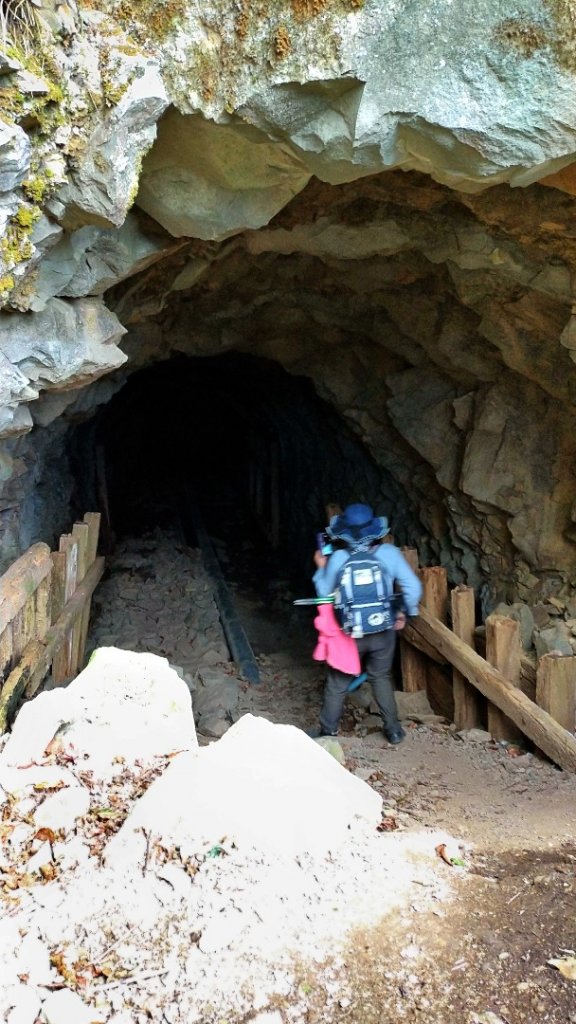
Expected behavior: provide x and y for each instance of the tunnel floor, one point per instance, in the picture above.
(482, 958)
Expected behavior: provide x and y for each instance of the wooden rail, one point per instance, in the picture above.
(44, 613)
(501, 691)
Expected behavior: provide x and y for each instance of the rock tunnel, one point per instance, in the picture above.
(295, 294)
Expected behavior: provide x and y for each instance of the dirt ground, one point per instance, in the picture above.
(484, 957)
(481, 957)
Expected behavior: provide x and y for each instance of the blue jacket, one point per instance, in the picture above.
(396, 569)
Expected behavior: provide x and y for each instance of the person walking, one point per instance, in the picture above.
(357, 531)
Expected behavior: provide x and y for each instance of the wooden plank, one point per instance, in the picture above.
(6, 651)
(467, 700)
(556, 688)
(503, 651)
(92, 520)
(62, 661)
(80, 533)
(413, 665)
(416, 640)
(58, 583)
(27, 677)
(34, 657)
(435, 591)
(439, 688)
(19, 582)
(43, 607)
(558, 744)
(435, 600)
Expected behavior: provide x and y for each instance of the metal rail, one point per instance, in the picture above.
(238, 643)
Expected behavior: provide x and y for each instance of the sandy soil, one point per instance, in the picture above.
(481, 957)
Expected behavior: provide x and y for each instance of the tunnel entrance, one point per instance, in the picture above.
(253, 447)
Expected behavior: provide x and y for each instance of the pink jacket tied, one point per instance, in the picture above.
(334, 646)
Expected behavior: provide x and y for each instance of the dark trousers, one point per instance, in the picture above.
(376, 652)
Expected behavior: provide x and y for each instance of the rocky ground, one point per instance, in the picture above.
(458, 907)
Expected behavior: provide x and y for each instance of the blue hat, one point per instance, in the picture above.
(358, 526)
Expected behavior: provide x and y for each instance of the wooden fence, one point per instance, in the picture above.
(504, 692)
(45, 601)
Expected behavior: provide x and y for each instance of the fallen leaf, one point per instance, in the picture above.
(5, 832)
(40, 787)
(451, 859)
(48, 871)
(55, 746)
(387, 825)
(441, 851)
(566, 965)
(46, 835)
(106, 812)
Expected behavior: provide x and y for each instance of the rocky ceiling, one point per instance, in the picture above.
(376, 196)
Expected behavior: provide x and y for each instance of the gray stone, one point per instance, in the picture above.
(332, 747)
(211, 181)
(475, 735)
(213, 725)
(90, 260)
(65, 346)
(553, 638)
(14, 156)
(222, 696)
(103, 186)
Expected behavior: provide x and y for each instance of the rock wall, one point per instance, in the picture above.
(347, 187)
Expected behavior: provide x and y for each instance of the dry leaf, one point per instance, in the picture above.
(5, 832)
(566, 965)
(46, 835)
(441, 851)
(55, 746)
(40, 787)
(48, 871)
(106, 812)
(454, 860)
(387, 825)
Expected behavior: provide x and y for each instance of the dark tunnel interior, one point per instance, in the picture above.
(253, 447)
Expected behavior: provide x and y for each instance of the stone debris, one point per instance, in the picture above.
(158, 597)
(189, 883)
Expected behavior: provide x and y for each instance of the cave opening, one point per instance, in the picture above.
(252, 448)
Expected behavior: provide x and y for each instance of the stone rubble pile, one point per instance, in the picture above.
(546, 626)
(146, 878)
(158, 597)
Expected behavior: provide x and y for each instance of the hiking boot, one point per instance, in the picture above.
(316, 734)
(395, 736)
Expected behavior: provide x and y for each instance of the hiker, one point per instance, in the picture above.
(364, 559)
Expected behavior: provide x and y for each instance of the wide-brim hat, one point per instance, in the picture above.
(358, 525)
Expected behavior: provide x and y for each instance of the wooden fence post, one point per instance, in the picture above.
(80, 533)
(556, 688)
(503, 652)
(92, 519)
(61, 667)
(467, 700)
(435, 591)
(557, 743)
(435, 600)
(412, 662)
